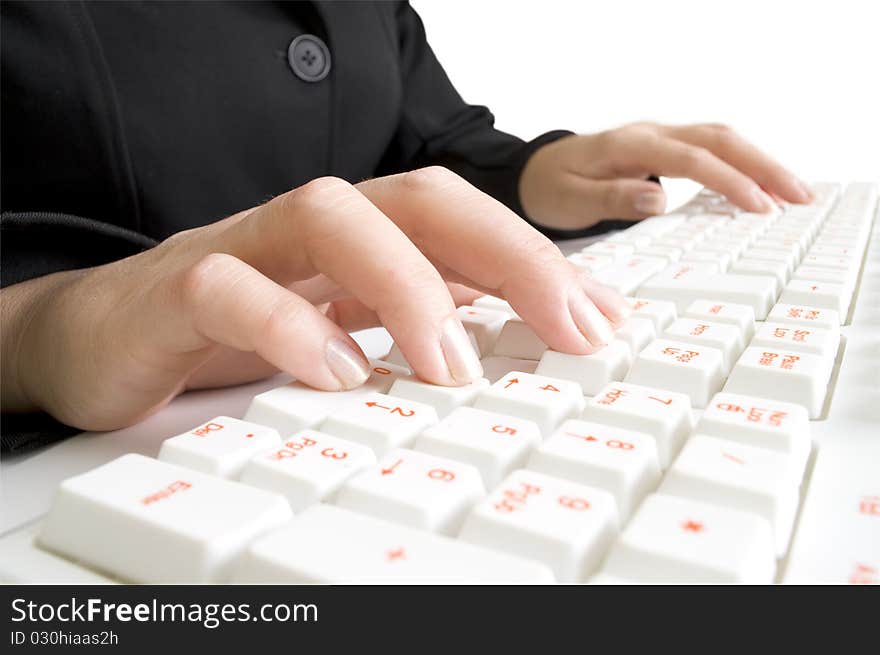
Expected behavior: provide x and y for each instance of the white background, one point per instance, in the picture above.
(800, 79)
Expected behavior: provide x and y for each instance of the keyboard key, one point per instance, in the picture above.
(495, 368)
(590, 262)
(720, 260)
(776, 270)
(546, 401)
(678, 540)
(415, 489)
(443, 399)
(679, 366)
(760, 422)
(498, 304)
(665, 415)
(619, 251)
(591, 372)
(308, 467)
(220, 447)
(627, 274)
(833, 275)
(725, 338)
(565, 525)
(485, 324)
(380, 422)
(740, 316)
(838, 538)
(684, 286)
(801, 338)
(23, 562)
(148, 521)
(495, 443)
(795, 377)
(670, 253)
(660, 312)
(742, 477)
(620, 460)
(296, 407)
(825, 319)
(518, 339)
(636, 333)
(327, 545)
(817, 294)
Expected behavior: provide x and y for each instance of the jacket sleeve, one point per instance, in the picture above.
(438, 127)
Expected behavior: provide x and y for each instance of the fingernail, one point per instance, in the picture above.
(589, 320)
(349, 366)
(650, 202)
(464, 365)
(805, 188)
(764, 201)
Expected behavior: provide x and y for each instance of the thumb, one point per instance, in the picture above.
(621, 198)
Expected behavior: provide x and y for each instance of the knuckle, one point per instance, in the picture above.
(319, 194)
(430, 178)
(200, 279)
(723, 134)
(281, 318)
(692, 157)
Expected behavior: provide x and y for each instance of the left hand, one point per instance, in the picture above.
(581, 179)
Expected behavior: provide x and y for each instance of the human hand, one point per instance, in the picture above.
(579, 180)
(277, 287)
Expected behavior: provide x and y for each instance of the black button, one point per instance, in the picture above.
(309, 58)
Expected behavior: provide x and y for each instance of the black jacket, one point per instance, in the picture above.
(123, 123)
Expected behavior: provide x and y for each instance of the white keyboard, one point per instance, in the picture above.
(729, 434)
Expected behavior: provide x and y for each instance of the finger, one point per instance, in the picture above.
(674, 158)
(590, 200)
(227, 302)
(491, 248)
(329, 227)
(734, 149)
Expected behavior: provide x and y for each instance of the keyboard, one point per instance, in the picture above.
(728, 434)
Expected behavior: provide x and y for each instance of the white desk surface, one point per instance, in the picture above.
(28, 481)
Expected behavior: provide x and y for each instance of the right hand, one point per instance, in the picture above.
(278, 286)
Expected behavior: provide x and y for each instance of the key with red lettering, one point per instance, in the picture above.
(725, 338)
(826, 319)
(148, 521)
(678, 540)
(665, 415)
(660, 312)
(296, 406)
(591, 372)
(802, 338)
(815, 293)
(495, 443)
(790, 376)
(742, 477)
(221, 447)
(567, 526)
(415, 489)
(380, 421)
(544, 400)
(742, 317)
(761, 422)
(443, 399)
(308, 467)
(697, 371)
(619, 460)
(328, 544)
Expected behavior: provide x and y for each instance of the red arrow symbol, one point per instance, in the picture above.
(375, 404)
(513, 381)
(391, 468)
(589, 437)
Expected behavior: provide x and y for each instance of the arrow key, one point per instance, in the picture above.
(415, 489)
(380, 421)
